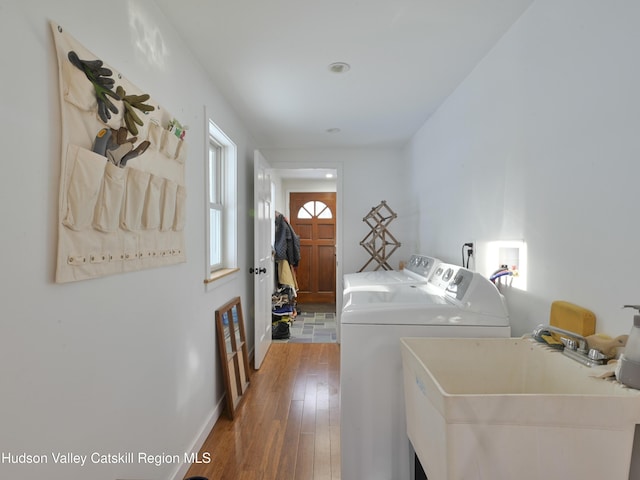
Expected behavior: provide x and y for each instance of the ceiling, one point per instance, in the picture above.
(270, 59)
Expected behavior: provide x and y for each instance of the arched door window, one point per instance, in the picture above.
(315, 208)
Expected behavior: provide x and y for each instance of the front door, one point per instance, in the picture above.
(313, 218)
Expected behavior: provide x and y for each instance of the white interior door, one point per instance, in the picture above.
(263, 263)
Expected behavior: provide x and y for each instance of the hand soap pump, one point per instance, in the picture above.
(629, 372)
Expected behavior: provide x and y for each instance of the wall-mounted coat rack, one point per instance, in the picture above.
(379, 242)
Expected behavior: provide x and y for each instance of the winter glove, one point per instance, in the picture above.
(120, 148)
(102, 82)
(131, 103)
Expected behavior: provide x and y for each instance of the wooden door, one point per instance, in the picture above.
(313, 218)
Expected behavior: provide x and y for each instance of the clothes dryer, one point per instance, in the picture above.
(453, 302)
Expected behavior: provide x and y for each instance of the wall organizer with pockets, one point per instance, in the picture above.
(122, 179)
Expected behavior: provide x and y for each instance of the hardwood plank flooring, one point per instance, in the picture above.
(288, 424)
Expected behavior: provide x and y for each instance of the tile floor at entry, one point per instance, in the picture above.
(316, 323)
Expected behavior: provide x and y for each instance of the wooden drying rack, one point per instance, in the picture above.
(379, 242)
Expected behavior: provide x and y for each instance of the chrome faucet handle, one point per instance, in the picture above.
(569, 343)
(595, 354)
(539, 331)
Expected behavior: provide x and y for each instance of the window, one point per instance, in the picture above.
(221, 190)
(314, 208)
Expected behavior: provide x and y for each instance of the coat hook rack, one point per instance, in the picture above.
(379, 242)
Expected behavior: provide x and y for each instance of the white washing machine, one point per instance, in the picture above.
(455, 302)
(417, 270)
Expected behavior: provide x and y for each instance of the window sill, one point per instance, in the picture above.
(218, 274)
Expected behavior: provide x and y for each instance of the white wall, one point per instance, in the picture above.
(540, 143)
(368, 176)
(285, 184)
(293, 185)
(126, 363)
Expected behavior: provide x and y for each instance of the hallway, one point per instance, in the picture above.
(288, 424)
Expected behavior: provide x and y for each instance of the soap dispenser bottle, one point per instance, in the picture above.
(629, 371)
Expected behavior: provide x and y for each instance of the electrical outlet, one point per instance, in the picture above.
(470, 248)
(467, 255)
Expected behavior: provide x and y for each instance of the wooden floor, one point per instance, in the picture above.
(287, 426)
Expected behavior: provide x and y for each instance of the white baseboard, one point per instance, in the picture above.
(182, 469)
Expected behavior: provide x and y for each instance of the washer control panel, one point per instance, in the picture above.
(460, 284)
(443, 275)
(421, 265)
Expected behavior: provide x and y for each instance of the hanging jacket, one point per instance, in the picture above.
(287, 242)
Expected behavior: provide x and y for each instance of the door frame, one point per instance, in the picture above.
(339, 220)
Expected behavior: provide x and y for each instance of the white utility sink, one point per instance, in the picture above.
(511, 408)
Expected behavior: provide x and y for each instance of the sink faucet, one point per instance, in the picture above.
(571, 340)
(575, 345)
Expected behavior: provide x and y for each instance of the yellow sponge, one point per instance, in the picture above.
(550, 340)
(572, 317)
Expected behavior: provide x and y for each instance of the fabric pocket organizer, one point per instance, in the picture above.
(134, 199)
(84, 187)
(170, 145)
(107, 214)
(173, 207)
(151, 212)
(165, 142)
(181, 206)
(108, 198)
(168, 205)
